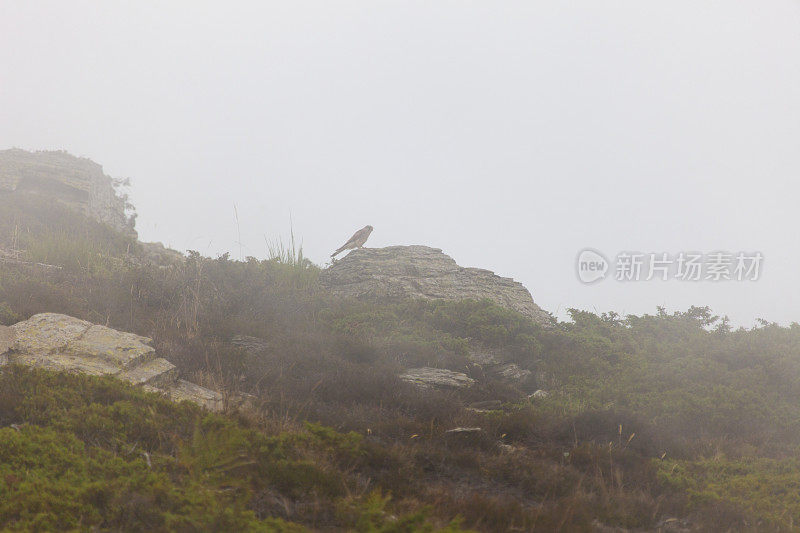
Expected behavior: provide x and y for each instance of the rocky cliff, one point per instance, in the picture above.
(423, 272)
(77, 182)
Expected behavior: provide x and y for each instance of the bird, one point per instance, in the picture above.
(356, 241)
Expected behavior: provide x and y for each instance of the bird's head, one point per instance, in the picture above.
(368, 228)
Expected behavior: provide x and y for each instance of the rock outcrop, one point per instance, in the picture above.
(63, 343)
(438, 378)
(77, 182)
(423, 272)
(510, 372)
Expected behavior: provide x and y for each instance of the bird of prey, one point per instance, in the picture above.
(356, 241)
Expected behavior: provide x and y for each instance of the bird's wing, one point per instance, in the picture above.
(357, 235)
(350, 241)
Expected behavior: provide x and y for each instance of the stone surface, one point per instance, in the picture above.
(157, 372)
(492, 365)
(436, 377)
(65, 363)
(185, 390)
(512, 372)
(76, 182)
(47, 333)
(62, 343)
(463, 431)
(116, 347)
(426, 273)
(7, 337)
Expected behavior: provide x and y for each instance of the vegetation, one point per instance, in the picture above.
(80, 453)
(650, 420)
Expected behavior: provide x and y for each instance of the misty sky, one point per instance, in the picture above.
(510, 134)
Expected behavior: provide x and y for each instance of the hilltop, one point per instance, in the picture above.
(371, 412)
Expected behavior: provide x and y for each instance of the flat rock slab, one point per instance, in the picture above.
(437, 377)
(185, 390)
(47, 333)
(64, 363)
(156, 372)
(115, 347)
(62, 343)
(463, 431)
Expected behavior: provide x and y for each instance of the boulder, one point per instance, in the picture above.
(420, 272)
(493, 366)
(427, 377)
(47, 333)
(115, 347)
(67, 344)
(512, 372)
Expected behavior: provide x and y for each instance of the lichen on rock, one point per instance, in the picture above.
(63, 343)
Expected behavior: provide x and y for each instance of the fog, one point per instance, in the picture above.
(512, 135)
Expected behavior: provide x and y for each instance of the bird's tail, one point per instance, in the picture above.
(337, 252)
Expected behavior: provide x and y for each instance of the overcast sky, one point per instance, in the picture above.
(510, 134)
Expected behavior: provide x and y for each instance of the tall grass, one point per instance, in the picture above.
(294, 269)
(280, 253)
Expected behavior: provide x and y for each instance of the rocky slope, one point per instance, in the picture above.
(426, 273)
(60, 342)
(77, 182)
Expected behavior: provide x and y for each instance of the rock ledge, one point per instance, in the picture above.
(64, 343)
(425, 273)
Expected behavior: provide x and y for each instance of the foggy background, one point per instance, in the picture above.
(510, 134)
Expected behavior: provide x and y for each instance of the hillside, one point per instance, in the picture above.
(663, 422)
